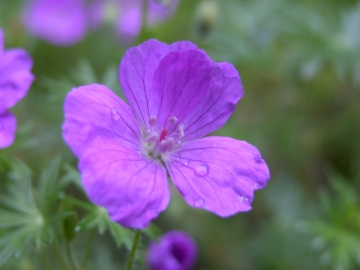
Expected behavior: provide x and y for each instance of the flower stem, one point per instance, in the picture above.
(87, 251)
(68, 254)
(145, 10)
(59, 254)
(133, 250)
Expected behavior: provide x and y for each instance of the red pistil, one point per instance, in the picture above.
(163, 134)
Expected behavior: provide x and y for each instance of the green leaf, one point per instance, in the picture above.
(99, 218)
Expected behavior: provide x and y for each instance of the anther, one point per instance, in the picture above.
(172, 120)
(153, 121)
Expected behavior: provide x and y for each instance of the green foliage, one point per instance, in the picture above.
(27, 212)
(300, 67)
(97, 217)
(338, 232)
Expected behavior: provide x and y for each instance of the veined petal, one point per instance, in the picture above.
(15, 77)
(94, 111)
(218, 174)
(136, 73)
(215, 109)
(133, 189)
(61, 22)
(181, 82)
(7, 129)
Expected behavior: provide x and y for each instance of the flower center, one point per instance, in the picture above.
(158, 141)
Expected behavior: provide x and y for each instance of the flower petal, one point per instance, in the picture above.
(218, 174)
(180, 83)
(15, 77)
(93, 111)
(7, 129)
(215, 109)
(61, 22)
(137, 70)
(132, 188)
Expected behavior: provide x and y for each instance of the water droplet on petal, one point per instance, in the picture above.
(255, 185)
(177, 159)
(257, 157)
(115, 115)
(198, 202)
(186, 163)
(242, 198)
(202, 170)
(214, 144)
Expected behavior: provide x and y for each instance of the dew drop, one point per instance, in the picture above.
(202, 170)
(215, 145)
(255, 185)
(198, 202)
(242, 198)
(186, 163)
(77, 228)
(257, 158)
(115, 115)
(177, 159)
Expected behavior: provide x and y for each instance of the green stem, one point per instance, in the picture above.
(68, 254)
(133, 250)
(59, 254)
(88, 249)
(145, 10)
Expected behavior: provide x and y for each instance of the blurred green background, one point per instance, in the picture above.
(300, 67)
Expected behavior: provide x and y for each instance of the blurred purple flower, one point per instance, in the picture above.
(130, 17)
(60, 22)
(177, 95)
(176, 250)
(66, 22)
(15, 81)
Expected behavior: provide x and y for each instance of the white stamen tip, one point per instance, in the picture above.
(152, 137)
(166, 145)
(181, 130)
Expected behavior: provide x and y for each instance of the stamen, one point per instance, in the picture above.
(166, 145)
(153, 121)
(181, 130)
(152, 137)
(172, 120)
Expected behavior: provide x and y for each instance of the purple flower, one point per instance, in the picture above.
(177, 94)
(129, 21)
(66, 22)
(61, 22)
(176, 250)
(15, 81)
